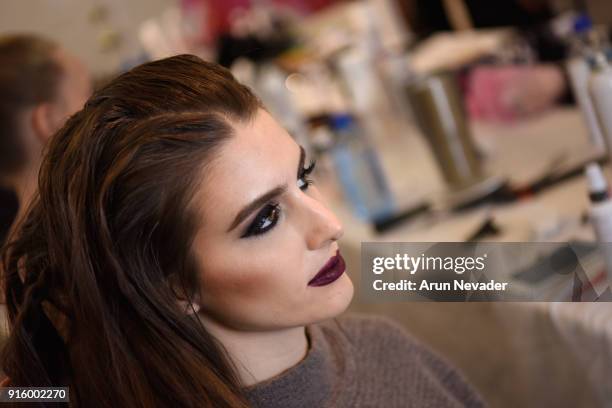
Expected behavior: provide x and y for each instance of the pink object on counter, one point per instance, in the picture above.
(507, 93)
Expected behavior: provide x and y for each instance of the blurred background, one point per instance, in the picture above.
(430, 121)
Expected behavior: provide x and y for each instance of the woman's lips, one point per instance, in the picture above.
(331, 271)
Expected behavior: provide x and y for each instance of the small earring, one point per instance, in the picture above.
(189, 308)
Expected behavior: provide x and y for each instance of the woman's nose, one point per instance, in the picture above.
(322, 225)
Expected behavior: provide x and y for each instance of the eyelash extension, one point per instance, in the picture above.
(309, 168)
(304, 175)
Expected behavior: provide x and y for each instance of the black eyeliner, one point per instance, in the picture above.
(302, 175)
(251, 232)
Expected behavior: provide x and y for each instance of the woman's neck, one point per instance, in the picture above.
(24, 184)
(260, 355)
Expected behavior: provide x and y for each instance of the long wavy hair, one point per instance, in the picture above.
(92, 274)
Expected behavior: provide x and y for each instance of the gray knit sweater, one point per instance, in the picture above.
(365, 361)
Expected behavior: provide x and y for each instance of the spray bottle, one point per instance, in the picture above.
(583, 47)
(601, 92)
(359, 170)
(601, 214)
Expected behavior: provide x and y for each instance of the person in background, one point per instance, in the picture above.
(178, 254)
(41, 85)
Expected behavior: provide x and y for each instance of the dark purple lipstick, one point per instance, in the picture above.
(331, 271)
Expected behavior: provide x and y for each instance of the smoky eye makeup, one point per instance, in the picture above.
(268, 216)
(265, 220)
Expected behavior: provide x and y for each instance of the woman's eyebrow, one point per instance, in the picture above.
(261, 200)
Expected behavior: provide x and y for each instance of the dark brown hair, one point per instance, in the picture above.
(29, 74)
(93, 272)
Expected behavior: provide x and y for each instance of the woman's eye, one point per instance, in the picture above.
(303, 180)
(265, 220)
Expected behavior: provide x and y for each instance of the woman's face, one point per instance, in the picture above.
(255, 267)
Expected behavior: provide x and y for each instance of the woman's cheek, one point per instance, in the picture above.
(231, 282)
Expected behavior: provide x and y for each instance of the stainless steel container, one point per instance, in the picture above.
(439, 111)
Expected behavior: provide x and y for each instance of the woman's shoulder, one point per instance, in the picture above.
(376, 337)
(386, 338)
(386, 346)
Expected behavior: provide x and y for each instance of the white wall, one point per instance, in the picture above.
(69, 22)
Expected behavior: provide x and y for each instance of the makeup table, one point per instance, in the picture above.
(528, 354)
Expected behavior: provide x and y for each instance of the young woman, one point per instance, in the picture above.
(177, 255)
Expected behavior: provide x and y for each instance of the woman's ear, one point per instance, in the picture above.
(44, 123)
(189, 304)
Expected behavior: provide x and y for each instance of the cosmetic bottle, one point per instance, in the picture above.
(359, 170)
(601, 92)
(582, 49)
(601, 213)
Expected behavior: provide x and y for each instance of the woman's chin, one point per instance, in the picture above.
(336, 297)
